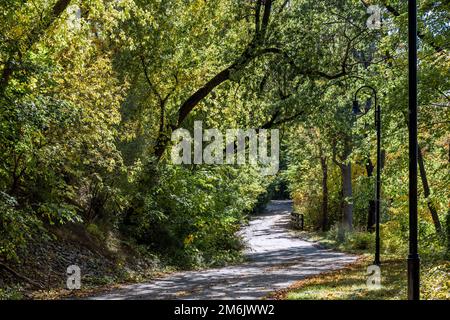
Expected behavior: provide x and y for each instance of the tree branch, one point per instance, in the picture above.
(266, 18)
(147, 77)
(421, 36)
(20, 276)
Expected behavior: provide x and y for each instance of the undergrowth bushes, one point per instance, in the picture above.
(191, 216)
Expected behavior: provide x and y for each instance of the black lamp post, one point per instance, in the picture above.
(357, 111)
(413, 257)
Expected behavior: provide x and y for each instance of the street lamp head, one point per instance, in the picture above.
(356, 110)
(368, 104)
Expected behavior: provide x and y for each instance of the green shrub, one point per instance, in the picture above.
(95, 230)
(361, 240)
(11, 293)
(394, 237)
(17, 226)
(192, 216)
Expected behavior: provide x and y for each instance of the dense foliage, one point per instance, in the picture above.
(91, 90)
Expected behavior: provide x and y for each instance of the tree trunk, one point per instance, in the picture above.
(426, 189)
(371, 209)
(323, 162)
(347, 221)
(346, 190)
(346, 170)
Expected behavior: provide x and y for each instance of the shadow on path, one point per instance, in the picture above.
(275, 260)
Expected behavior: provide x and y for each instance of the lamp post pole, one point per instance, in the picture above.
(413, 257)
(357, 110)
(378, 186)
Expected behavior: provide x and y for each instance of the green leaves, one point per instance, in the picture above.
(17, 227)
(90, 94)
(59, 213)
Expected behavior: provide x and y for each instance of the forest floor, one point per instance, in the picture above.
(275, 259)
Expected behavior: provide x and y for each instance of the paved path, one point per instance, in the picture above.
(276, 259)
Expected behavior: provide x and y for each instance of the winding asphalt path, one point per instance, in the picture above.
(275, 260)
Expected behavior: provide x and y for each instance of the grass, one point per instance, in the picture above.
(350, 283)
